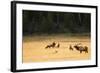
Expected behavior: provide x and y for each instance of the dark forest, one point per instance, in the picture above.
(48, 22)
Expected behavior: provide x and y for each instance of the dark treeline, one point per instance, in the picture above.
(46, 22)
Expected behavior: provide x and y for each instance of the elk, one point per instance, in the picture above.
(51, 45)
(81, 48)
(70, 48)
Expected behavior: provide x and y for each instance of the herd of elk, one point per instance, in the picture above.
(77, 47)
(52, 45)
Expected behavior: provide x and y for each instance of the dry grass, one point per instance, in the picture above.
(34, 48)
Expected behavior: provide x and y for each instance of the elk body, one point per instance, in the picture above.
(81, 48)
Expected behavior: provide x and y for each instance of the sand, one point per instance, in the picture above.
(34, 48)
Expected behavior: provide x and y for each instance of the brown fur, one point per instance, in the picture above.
(51, 45)
(81, 48)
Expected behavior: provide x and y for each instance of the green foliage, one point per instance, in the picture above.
(47, 22)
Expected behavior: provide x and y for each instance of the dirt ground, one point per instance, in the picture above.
(34, 48)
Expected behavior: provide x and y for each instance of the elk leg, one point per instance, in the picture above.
(86, 51)
(80, 51)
